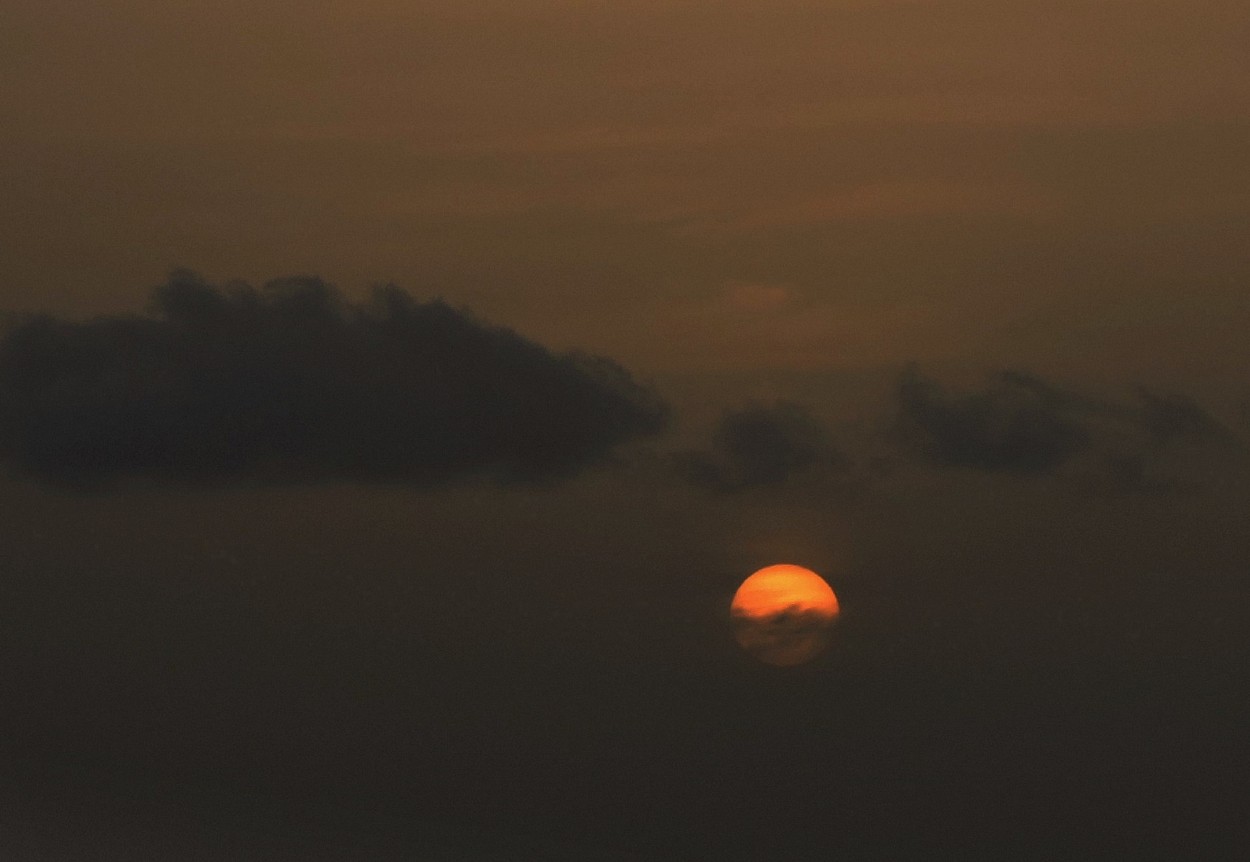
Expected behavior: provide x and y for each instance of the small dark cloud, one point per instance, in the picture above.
(1017, 426)
(1171, 418)
(761, 446)
(1024, 425)
(294, 382)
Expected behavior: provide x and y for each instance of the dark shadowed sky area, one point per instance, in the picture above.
(393, 395)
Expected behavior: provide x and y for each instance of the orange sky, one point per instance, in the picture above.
(982, 182)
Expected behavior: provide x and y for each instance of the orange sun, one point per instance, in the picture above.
(782, 614)
(784, 587)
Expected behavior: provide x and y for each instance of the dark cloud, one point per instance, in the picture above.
(1171, 418)
(760, 446)
(1164, 418)
(1016, 426)
(1024, 425)
(294, 382)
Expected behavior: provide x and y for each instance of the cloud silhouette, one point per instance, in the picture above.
(1021, 424)
(293, 382)
(1172, 418)
(1016, 426)
(760, 446)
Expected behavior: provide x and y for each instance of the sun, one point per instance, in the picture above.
(782, 614)
(777, 588)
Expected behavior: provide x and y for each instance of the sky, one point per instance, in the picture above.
(393, 395)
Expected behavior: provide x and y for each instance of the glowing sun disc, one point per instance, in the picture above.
(782, 614)
(774, 589)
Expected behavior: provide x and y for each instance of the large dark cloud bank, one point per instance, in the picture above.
(295, 382)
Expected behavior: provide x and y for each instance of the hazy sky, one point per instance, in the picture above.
(291, 573)
(791, 184)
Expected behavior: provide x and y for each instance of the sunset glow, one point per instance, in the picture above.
(782, 615)
(776, 588)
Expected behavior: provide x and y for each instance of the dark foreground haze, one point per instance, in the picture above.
(1040, 650)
